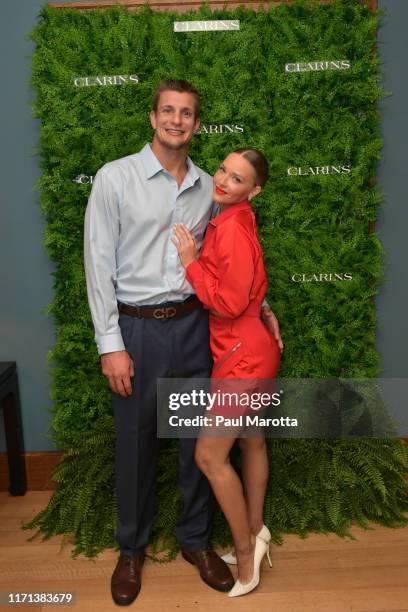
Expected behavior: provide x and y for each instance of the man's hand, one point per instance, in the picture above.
(272, 324)
(118, 369)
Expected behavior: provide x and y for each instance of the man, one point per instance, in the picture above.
(149, 324)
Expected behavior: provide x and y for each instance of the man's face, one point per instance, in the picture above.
(175, 121)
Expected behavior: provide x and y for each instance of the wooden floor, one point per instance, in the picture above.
(319, 574)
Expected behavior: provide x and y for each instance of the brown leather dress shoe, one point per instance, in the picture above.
(213, 570)
(126, 579)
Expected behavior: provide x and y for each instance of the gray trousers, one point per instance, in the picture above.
(160, 348)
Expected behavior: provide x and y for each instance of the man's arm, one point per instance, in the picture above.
(271, 323)
(101, 237)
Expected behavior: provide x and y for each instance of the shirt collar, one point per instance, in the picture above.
(152, 165)
(150, 162)
(229, 211)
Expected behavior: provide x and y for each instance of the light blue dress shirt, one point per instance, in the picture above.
(129, 255)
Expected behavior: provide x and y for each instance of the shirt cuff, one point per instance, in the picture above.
(110, 343)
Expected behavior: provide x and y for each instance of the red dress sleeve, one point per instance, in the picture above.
(227, 285)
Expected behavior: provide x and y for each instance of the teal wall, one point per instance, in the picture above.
(26, 334)
(392, 224)
(26, 282)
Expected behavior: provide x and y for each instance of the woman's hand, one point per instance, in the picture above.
(185, 244)
(271, 323)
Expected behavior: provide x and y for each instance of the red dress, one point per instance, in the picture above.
(229, 277)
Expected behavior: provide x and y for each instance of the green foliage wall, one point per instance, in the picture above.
(309, 224)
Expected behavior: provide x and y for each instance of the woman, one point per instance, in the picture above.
(229, 279)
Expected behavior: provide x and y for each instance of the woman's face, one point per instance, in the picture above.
(234, 181)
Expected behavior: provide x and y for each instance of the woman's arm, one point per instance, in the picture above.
(226, 291)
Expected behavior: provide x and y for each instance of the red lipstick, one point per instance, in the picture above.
(219, 190)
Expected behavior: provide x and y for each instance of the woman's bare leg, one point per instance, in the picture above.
(255, 471)
(212, 457)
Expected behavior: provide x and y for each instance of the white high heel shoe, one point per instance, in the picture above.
(264, 534)
(242, 589)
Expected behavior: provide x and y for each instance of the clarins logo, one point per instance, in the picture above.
(83, 179)
(223, 128)
(326, 277)
(318, 66)
(318, 170)
(206, 26)
(115, 79)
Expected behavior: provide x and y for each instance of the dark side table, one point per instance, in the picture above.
(10, 404)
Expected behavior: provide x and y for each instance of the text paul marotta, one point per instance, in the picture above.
(206, 400)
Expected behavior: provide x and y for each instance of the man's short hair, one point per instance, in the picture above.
(177, 85)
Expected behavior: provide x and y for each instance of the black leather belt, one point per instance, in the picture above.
(161, 311)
